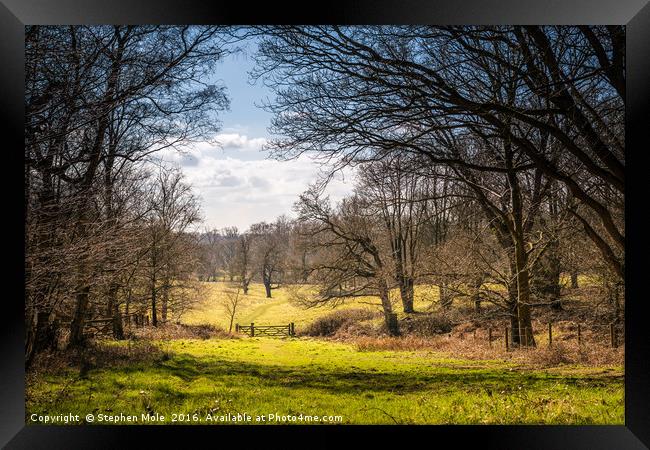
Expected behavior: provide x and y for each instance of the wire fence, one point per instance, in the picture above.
(528, 338)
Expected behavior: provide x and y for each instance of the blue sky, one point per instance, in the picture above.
(236, 181)
(244, 115)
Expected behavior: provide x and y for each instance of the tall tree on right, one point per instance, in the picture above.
(362, 92)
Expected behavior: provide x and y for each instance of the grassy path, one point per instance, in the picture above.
(263, 311)
(255, 307)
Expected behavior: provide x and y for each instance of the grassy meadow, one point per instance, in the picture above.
(281, 308)
(262, 376)
(203, 381)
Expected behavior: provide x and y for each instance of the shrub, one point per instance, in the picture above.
(570, 353)
(406, 343)
(339, 321)
(97, 355)
(427, 324)
(555, 355)
(179, 331)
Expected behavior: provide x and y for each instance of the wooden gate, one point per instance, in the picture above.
(267, 330)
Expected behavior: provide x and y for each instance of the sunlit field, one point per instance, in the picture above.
(282, 308)
(238, 379)
(204, 380)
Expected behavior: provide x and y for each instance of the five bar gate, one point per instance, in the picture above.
(266, 330)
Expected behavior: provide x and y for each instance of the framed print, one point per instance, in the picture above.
(376, 218)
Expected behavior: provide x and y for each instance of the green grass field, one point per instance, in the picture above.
(262, 376)
(187, 380)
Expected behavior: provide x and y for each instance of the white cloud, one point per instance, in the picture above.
(237, 190)
(240, 141)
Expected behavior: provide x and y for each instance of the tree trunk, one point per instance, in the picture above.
(41, 335)
(165, 302)
(390, 318)
(520, 320)
(546, 276)
(574, 279)
(525, 328)
(476, 295)
(524, 335)
(78, 320)
(514, 328)
(404, 281)
(267, 287)
(154, 316)
(614, 290)
(406, 292)
(114, 312)
(36, 297)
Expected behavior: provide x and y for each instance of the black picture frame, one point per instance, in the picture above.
(635, 14)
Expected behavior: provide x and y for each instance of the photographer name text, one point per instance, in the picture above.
(145, 418)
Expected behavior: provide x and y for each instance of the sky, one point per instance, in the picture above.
(237, 182)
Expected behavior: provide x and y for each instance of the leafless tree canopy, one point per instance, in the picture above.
(526, 121)
(489, 161)
(103, 235)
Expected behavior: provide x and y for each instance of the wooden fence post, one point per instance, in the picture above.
(236, 328)
(252, 329)
(506, 336)
(293, 329)
(550, 334)
(579, 336)
(490, 337)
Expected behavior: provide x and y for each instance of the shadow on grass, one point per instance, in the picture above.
(190, 368)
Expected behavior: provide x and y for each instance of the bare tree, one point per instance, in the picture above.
(209, 243)
(349, 263)
(396, 193)
(174, 210)
(244, 260)
(228, 248)
(271, 251)
(230, 301)
(98, 101)
(358, 93)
